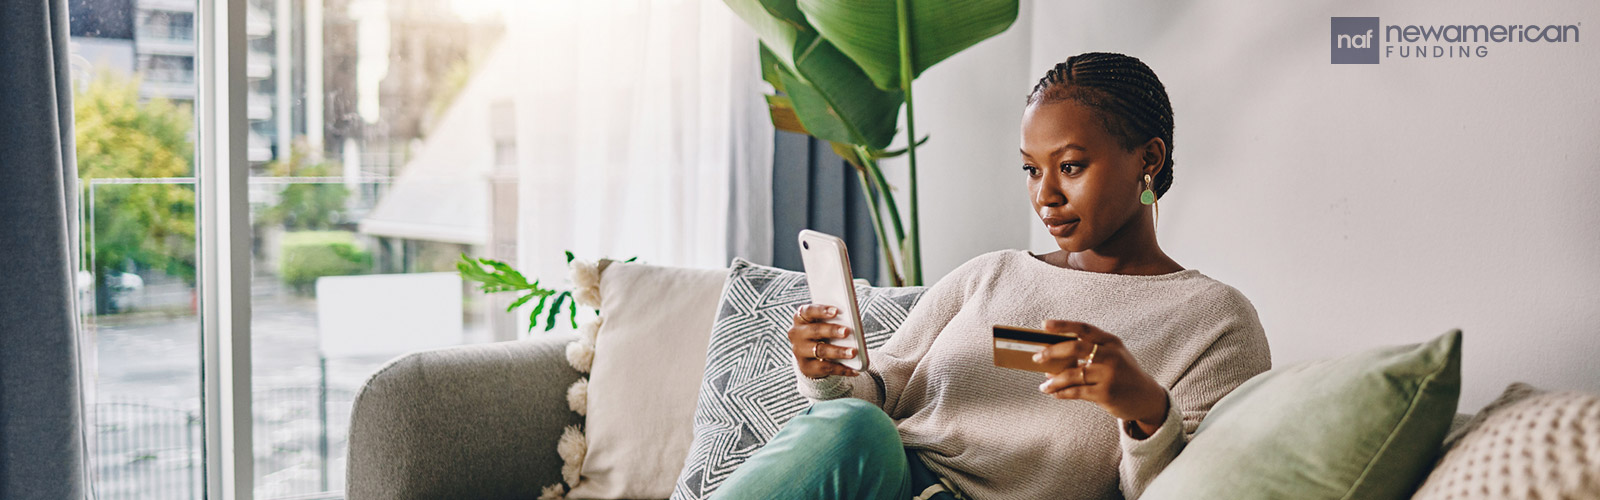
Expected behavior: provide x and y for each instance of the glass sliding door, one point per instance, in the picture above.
(133, 94)
(355, 226)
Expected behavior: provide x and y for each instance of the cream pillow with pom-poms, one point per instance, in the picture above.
(645, 356)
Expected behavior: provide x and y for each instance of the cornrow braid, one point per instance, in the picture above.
(1132, 102)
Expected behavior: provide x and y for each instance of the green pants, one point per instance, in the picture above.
(843, 448)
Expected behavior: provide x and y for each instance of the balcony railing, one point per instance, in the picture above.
(147, 450)
(168, 75)
(173, 33)
(260, 108)
(169, 5)
(257, 23)
(258, 65)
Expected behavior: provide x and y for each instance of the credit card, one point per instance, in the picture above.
(1014, 346)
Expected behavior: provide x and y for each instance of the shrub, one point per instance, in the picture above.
(308, 255)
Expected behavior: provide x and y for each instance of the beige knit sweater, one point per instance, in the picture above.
(992, 434)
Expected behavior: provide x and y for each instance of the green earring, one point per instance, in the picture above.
(1148, 196)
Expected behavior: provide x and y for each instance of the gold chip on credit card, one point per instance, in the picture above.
(1014, 346)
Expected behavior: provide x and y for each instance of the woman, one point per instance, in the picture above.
(1158, 343)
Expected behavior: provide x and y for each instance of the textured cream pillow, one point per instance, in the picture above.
(1527, 444)
(645, 355)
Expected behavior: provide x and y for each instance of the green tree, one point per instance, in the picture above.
(306, 206)
(118, 136)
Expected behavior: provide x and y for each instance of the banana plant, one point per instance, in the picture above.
(844, 68)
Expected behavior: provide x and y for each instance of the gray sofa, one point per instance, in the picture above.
(483, 421)
(478, 421)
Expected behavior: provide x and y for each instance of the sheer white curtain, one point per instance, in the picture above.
(641, 131)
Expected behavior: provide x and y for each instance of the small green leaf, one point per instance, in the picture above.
(631, 259)
(550, 321)
(506, 273)
(521, 301)
(498, 277)
(569, 256)
(572, 313)
(533, 318)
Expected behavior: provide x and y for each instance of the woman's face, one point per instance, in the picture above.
(1084, 186)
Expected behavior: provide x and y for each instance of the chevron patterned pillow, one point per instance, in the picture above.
(749, 390)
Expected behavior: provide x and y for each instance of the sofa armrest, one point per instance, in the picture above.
(477, 421)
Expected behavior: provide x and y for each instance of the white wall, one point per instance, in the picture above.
(973, 196)
(1356, 206)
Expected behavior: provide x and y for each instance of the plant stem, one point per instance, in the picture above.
(894, 209)
(913, 248)
(877, 222)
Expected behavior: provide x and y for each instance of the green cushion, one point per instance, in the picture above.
(1362, 426)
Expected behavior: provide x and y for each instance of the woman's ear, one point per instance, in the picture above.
(1155, 156)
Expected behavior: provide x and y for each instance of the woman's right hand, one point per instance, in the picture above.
(808, 331)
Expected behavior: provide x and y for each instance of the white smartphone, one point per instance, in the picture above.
(827, 264)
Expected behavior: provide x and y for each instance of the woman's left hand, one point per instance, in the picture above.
(1111, 378)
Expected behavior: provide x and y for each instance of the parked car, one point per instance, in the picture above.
(124, 290)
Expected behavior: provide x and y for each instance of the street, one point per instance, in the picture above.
(146, 395)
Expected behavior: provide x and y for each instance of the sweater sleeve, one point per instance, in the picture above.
(1237, 355)
(890, 365)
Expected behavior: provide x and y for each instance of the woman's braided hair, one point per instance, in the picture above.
(1131, 100)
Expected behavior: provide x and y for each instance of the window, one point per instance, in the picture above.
(167, 68)
(330, 253)
(383, 140)
(157, 25)
(133, 84)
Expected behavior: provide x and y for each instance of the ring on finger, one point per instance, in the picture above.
(1083, 375)
(1090, 360)
(814, 353)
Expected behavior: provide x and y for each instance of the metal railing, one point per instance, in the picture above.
(146, 450)
(297, 431)
(168, 75)
(178, 33)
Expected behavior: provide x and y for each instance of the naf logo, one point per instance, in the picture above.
(1355, 40)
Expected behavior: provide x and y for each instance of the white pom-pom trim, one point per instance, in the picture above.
(588, 297)
(553, 492)
(585, 283)
(590, 330)
(572, 446)
(578, 396)
(581, 355)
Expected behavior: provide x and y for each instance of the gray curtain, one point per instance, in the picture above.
(41, 428)
(813, 188)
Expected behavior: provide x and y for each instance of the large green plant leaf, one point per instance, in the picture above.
(775, 27)
(818, 117)
(770, 67)
(832, 96)
(783, 117)
(831, 88)
(865, 30)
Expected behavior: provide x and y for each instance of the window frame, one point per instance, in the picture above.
(224, 248)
